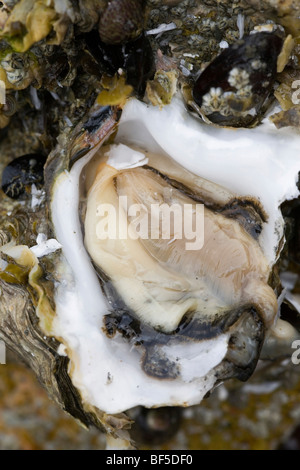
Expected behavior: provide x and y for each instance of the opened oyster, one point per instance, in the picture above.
(154, 275)
(173, 315)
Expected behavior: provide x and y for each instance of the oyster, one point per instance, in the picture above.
(120, 304)
(192, 317)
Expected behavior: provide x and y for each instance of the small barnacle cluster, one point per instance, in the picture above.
(13, 65)
(18, 70)
(213, 100)
(229, 102)
(235, 87)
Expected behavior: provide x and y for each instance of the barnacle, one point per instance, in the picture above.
(238, 78)
(232, 69)
(213, 100)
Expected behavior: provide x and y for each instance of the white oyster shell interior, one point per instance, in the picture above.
(261, 162)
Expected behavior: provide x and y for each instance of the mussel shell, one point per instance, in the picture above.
(21, 173)
(135, 58)
(241, 78)
(122, 21)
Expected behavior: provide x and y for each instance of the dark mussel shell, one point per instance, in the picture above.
(155, 426)
(232, 90)
(136, 58)
(291, 213)
(122, 21)
(19, 175)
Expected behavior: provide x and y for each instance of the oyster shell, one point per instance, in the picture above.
(171, 319)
